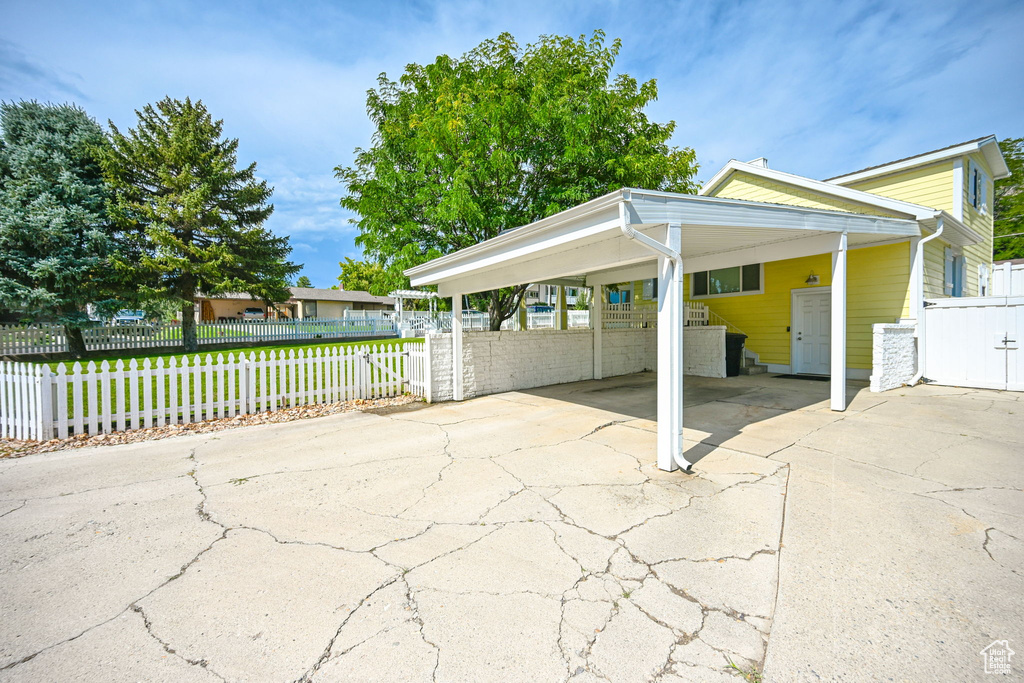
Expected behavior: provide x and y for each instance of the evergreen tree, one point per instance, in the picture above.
(192, 221)
(54, 234)
(303, 281)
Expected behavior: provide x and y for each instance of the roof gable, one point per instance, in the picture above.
(866, 200)
(986, 146)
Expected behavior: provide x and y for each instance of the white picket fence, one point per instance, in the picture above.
(37, 404)
(18, 340)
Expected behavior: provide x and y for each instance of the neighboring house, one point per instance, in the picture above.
(305, 303)
(782, 305)
(547, 295)
(329, 304)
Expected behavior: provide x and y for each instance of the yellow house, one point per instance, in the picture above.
(783, 305)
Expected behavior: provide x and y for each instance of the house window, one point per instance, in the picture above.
(651, 289)
(977, 188)
(620, 296)
(726, 281)
(955, 273)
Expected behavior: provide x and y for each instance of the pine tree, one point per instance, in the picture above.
(54, 234)
(192, 221)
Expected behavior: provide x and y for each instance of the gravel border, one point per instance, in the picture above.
(13, 448)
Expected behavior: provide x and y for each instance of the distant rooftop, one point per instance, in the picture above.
(317, 294)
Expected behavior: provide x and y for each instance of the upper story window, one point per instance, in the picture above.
(977, 187)
(727, 281)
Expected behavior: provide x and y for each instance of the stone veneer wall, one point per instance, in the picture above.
(510, 360)
(893, 355)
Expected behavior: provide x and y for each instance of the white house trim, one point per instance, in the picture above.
(958, 188)
(987, 146)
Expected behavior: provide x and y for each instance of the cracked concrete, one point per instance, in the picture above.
(528, 537)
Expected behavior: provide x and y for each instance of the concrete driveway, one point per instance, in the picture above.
(528, 537)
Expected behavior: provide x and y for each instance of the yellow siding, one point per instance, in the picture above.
(877, 293)
(980, 222)
(755, 189)
(934, 268)
(930, 186)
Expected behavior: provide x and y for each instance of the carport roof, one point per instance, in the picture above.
(587, 240)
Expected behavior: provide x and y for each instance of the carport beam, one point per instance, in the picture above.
(597, 322)
(671, 319)
(457, 378)
(838, 332)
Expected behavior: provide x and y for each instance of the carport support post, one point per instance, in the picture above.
(457, 380)
(670, 356)
(597, 322)
(838, 332)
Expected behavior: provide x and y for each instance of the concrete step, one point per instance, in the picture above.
(753, 369)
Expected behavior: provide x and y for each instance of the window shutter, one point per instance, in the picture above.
(961, 279)
(972, 185)
(947, 276)
(983, 191)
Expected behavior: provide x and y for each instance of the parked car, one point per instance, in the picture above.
(253, 313)
(129, 317)
(540, 308)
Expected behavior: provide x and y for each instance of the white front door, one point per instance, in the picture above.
(812, 321)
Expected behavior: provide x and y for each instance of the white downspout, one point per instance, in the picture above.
(919, 304)
(677, 263)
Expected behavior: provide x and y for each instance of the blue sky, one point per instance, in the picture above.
(820, 88)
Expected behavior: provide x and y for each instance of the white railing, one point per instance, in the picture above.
(617, 316)
(579, 318)
(37, 404)
(48, 338)
(696, 314)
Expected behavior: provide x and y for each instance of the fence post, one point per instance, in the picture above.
(44, 391)
(249, 393)
(428, 369)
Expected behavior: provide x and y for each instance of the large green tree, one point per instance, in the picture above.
(55, 238)
(370, 276)
(303, 281)
(500, 137)
(1009, 203)
(192, 220)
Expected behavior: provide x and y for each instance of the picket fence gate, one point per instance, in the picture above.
(37, 404)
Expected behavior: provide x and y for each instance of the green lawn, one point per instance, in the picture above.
(153, 354)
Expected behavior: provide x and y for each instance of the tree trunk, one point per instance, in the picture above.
(504, 304)
(188, 326)
(76, 342)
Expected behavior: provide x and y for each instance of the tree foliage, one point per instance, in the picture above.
(1009, 202)
(500, 137)
(303, 281)
(367, 276)
(54, 234)
(192, 222)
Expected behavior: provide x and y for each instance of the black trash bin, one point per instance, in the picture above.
(733, 353)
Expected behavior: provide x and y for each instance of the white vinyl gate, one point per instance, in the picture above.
(975, 342)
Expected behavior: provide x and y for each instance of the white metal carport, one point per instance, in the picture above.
(634, 234)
